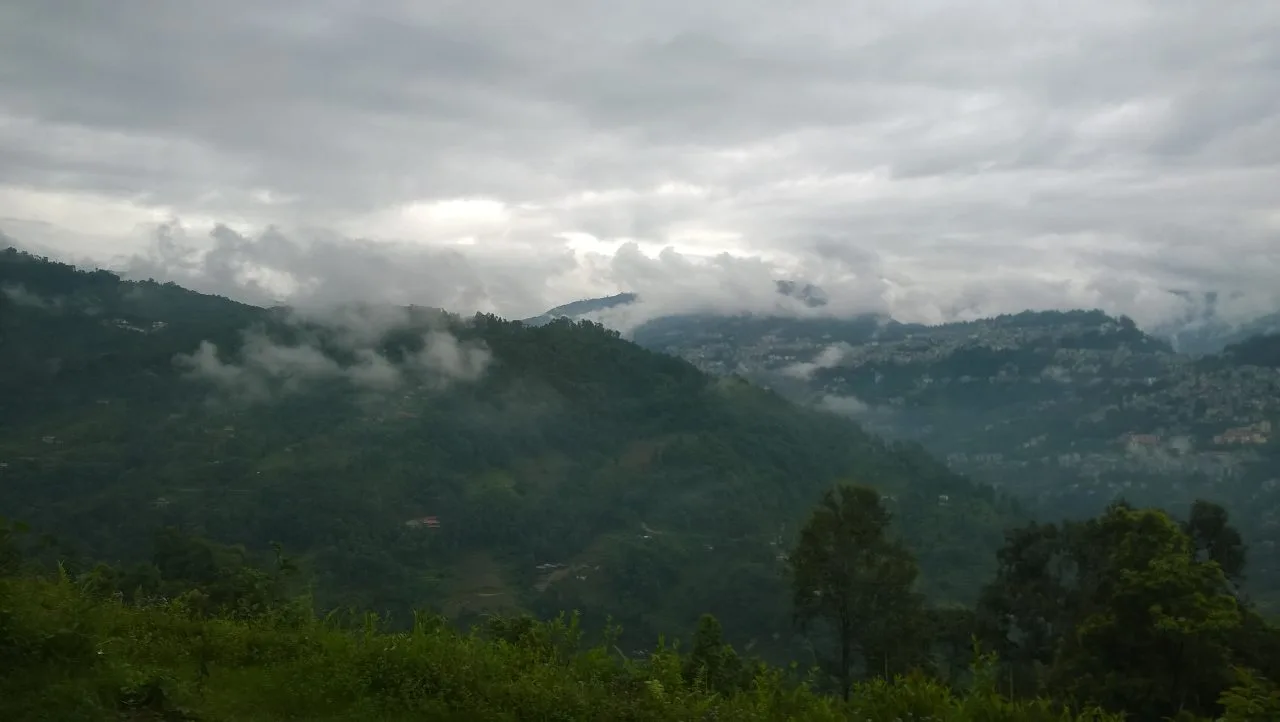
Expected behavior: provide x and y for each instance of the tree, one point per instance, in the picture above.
(1155, 630)
(10, 549)
(712, 663)
(849, 575)
(1215, 539)
(1024, 612)
(1055, 582)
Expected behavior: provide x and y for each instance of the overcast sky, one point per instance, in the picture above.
(931, 159)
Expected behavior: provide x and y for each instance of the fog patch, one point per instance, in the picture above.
(828, 358)
(264, 366)
(20, 296)
(444, 355)
(844, 405)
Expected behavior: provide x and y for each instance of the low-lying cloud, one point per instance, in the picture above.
(509, 157)
(320, 271)
(18, 295)
(521, 279)
(850, 406)
(323, 269)
(264, 367)
(829, 358)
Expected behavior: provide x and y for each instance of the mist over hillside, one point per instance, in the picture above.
(1068, 410)
(1196, 329)
(560, 466)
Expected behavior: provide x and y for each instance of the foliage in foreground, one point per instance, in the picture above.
(67, 654)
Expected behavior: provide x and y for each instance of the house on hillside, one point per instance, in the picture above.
(1135, 442)
(1259, 433)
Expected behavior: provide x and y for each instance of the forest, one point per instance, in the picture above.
(394, 513)
(1130, 615)
(560, 467)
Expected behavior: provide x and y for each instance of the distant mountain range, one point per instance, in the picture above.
(576, 310)
(661, 487)
(1200, 332)
(1069, 410)
(809, 295)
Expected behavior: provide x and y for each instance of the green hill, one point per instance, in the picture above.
(71, 656)
(1066, 410)
(564, 467)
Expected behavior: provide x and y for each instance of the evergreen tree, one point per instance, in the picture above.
(850, 577)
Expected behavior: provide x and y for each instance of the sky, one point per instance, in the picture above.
(931, 160)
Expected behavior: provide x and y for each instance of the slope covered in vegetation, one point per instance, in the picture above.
(1148, 627)
(70, 656)
(1067, 410)
(412, 458)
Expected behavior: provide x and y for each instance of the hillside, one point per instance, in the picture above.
(1068, 410)
(414, 458)
(207, 633)
(1201, 331)
(75, 656)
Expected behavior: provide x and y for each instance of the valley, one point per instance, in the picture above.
(1065, 410)
(402, 478)
(410, 457)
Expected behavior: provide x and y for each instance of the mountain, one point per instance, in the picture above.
(415, 458)
(1068, 410)
(587, 309)
(1201, 331)
(580, 309)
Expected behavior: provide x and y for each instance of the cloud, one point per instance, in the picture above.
(829, 358)
(266, 367)
(373, 371)
(322, 270)
(513, 156)
(359, 325)
(20, 296)
(844, 405)
(445, 356)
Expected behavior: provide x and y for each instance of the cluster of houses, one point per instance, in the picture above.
(1259, 433)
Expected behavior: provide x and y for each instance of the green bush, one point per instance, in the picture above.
(71, 655)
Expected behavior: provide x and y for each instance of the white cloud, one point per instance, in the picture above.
(19, 295)
(844, 405)
(444, 355)
(828, 358)
(510, 157)
(263, 366)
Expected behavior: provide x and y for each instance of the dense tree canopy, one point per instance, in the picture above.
(849, 576)
(214, 474)
(1131, 610)
(562, 467)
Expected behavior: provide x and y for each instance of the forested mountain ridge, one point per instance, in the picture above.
(1066, 409)
(1200, 332)
(414, 458)
(402, 458)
